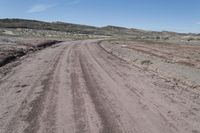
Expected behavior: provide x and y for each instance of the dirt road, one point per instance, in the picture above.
(78, 87)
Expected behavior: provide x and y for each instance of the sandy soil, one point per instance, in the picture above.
(79, 87)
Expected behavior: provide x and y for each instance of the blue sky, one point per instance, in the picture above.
(171, 15)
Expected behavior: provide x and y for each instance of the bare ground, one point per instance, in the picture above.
(80, 87)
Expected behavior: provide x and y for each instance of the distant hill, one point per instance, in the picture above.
(85, 29)
(68, 27)
(57, 26)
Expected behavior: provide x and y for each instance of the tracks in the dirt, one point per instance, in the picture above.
(46, 99)
(80, 88)
(32, 104)
(109, 124)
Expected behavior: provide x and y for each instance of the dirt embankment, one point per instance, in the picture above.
(10, 51)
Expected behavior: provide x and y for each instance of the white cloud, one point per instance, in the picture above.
(39, 8)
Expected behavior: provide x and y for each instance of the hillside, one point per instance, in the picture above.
(61, 28)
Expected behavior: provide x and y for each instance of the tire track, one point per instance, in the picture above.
(38, 105)
(86, 118)
(96, 93)
(35, 106)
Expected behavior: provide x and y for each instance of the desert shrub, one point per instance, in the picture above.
(157, 37)
(146, 62)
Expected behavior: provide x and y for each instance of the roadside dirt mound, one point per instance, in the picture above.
(11, 52)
